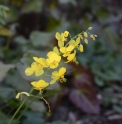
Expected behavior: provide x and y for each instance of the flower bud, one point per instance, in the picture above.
(90, 28)
(92, 37)
(66, 33)
(80, 48)
(86, 41)
(85, 34)
(81, 37)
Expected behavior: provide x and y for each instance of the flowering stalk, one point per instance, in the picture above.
(65, 49)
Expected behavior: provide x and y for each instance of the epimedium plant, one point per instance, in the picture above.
(52, 66)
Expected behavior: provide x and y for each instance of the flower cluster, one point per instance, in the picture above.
(67, 48)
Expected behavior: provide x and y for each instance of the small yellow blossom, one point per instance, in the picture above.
(58, 75)
(86, 41)
(72, 58)
(85, 34)
(92, 37)
(35, 68)
(80, 48)
(41, 62)
(75, 43)
(18, 94)
(90, 28)
(67, 50)
(53, 59)
(39, 85)
(66, 33)
(60, 38)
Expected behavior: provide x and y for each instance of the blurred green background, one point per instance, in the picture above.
(27, 29)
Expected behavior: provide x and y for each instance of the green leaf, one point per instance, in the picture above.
(33, 118)
(18, 82)
(41, 38)
(37, 106)
(7, 93)
(21, 40)
(99, 81)
(112, 36)
(117, 109)
(4, 69)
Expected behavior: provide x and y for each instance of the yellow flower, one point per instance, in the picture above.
(35, 68)
(18, 94)
(41, 62)
(85, 34)
(60, 38)
(39, 85)
(72, 58)
(67, 50)
(80, 48)
(53, 59)
(66, 33)
(58, 75)
(75, 43)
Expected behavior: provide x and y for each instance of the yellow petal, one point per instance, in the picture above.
(39, 72)
(77, 41)
(70, 48)
(41, 84)
(34, 66)
(55, 49)
(35, 58)
(53, 81)
(57, 35)
(60, 43)
(55, 74)
(72, 42)
(71, 57)
(29, 71)
(63, 49)
(62, 71)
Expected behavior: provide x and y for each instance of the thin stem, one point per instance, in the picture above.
(74, 37)
(26, 108)
(46, 103)
(20, 107)
(25, 100)
(45, 73)
(4, 120)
